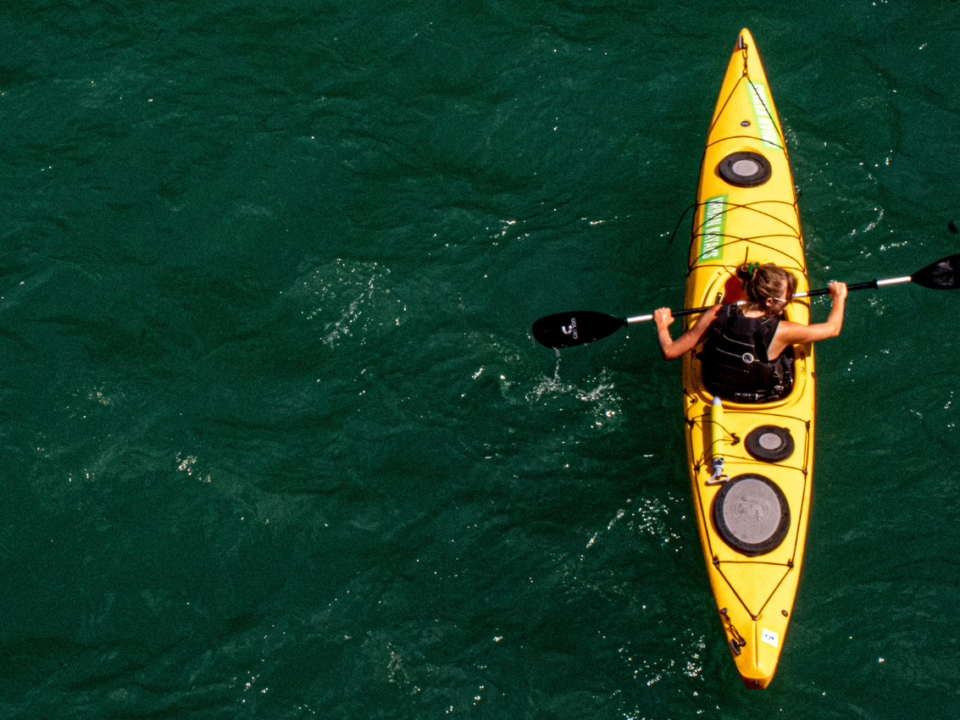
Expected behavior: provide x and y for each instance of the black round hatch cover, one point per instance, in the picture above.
(751, 514)
(745, 169)
(770, 443)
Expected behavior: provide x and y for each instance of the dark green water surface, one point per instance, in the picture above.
(277, 441)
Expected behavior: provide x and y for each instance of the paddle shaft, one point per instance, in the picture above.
(869, 285)
(859, 286)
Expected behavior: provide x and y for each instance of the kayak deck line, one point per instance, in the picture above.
(799, 263)
(796, 263)
(731, 240)
(789, 564)
(745, 78)
(702, 463)
(755, 614)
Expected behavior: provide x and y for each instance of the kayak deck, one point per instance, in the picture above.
(752, 512)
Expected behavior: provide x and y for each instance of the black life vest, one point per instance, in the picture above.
(734, 358)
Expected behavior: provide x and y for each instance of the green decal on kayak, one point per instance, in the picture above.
(711, 232)
(763, 115)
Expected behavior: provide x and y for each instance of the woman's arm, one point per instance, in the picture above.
(791, 333)
(675, 348)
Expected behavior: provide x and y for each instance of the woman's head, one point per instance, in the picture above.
(768, 287)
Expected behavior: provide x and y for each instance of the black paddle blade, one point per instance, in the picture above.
(575, 328)
(942, 275)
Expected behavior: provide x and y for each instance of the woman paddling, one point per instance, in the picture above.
(748, 349)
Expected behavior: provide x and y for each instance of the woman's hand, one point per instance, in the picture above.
(663, 318)
(675, 348)
(838, 290)
(791, 333)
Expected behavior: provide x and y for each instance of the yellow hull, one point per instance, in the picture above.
(733, 224)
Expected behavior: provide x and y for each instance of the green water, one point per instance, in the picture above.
(277, 440)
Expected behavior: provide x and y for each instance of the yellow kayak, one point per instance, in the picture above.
(750, 464)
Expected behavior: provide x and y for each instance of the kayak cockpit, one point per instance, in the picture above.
(783, 371)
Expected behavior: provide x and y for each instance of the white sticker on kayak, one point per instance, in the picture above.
(770, 637)
(763, 114)
(713, 228)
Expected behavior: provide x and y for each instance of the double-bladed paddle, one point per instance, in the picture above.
(567, 329)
